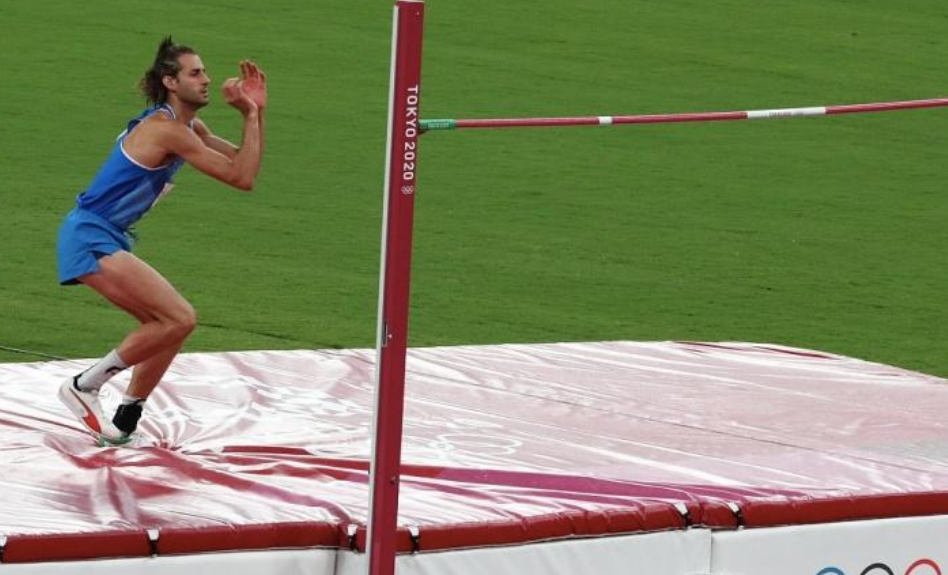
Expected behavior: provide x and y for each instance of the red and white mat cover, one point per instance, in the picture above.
(503, 445)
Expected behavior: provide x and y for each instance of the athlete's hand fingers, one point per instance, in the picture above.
(255, 71)
(230, 86)
(232, 89)
(253, 83)
(247, 68)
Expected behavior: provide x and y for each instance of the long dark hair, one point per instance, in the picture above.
(166, 64)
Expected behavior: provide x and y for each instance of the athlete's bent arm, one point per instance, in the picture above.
(214, 141)
(246, 94)
(239, 171)
(218, 144)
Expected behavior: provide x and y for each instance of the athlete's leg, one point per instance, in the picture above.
(145, 378)
(147, 374)
(167, 319)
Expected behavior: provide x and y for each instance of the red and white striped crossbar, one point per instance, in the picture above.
(686, 117)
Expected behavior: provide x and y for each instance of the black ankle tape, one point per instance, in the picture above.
(127, 416)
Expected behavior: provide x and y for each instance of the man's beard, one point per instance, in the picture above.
(196, 102)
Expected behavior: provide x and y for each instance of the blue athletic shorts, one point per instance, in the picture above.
(85, 237)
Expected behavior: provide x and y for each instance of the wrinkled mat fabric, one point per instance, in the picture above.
(502, 444)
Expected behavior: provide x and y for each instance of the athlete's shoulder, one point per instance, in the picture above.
(157, 137)
(163, 124)
(156, 110)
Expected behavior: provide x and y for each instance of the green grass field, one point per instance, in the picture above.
(820, 233)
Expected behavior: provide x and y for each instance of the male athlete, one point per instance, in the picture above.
(95, 248)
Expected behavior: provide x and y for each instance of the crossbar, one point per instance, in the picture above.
(448, 124)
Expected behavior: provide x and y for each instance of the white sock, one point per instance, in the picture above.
(94, 377)
(130, 399)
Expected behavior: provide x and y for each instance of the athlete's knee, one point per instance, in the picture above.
(182, 321)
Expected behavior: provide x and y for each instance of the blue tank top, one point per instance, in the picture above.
(124, 190)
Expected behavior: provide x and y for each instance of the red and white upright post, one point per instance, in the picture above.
(400, 175)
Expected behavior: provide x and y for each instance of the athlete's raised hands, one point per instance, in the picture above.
(254, 82)
(249, 92)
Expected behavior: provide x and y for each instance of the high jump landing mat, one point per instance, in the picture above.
(665, 458)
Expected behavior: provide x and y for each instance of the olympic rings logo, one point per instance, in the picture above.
(920, 567)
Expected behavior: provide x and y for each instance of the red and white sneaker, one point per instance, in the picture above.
(85, 405)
